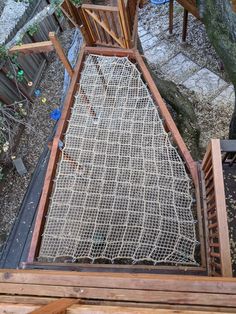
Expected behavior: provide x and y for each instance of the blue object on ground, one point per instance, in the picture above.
(55, 114)
(159, 1)
(37, 92)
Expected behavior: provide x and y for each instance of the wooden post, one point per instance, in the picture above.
(60, 52)
(124, 23)
(185, 25)
(171, 15)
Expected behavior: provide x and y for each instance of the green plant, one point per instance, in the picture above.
(3, 52)
(76, 2)
(1, 174)
(33, 29)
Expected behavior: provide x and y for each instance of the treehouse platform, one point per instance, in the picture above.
(124, 211)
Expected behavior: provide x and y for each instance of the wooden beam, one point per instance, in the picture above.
(111, 280)
(56, 307)
(219, 191)
(124, 23)
(8, 308)
(116, 294)
(118, 52)
(60, 53)
(101, 309)
(44, 46)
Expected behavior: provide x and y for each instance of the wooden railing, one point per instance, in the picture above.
(214, 210)
(107, 25)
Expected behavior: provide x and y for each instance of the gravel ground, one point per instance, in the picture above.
(230, 193)
(32, 140)
(198, 47)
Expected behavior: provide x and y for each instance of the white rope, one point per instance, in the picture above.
(121, 190)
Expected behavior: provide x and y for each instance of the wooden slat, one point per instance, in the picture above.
(56, 307)
(168, 297)
(102, 24)
(8, 308)
(147, 282)
(44, 46)
(98, 309)
(97, 7)
(221, 209)
(124, 23)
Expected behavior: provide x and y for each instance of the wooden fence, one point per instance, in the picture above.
(214, 210)
(32, 65)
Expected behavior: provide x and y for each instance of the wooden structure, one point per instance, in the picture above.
(128, 289)
(189, 6)
(214, 208)
(55, 292)
(212, 222)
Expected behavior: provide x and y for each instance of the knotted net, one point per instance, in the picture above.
(121, 190)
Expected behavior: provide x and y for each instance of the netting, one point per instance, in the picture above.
(121, 190)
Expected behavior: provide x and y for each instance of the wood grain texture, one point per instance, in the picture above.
(44, 46)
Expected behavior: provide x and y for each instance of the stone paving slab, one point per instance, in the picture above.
(160, 53)
(225, 98)
(205, 84)
(179, 68)
(150, 43)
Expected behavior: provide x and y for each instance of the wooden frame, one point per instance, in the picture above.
(134, 55)
(144, 293)
(217, 233)
(45, 46)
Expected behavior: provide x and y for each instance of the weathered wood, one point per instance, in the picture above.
(124, 23)
(147, 282)
(7, 308)
(56, 307)
(44, 46)
(169, 297)
(221, 209)
(60, 53)
(217, 234)
(98, 309)
(185, 25)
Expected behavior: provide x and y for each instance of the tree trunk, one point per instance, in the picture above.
(220, 22)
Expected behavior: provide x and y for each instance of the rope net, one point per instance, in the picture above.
(121, 190)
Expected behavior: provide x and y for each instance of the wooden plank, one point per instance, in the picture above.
(124, 23)
(25, 300)
(110, 51)
(98, 309)
(44, 46)
(103, 25)
(48, 183)
(191, 164)
(221, 209)
(56, 307)
(133, 295)
(61, 53)
(112, 280)
(7, 308)
(97, 7)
